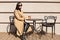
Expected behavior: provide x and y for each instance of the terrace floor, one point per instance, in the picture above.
(33, 36)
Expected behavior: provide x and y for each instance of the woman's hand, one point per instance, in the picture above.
(29, 17)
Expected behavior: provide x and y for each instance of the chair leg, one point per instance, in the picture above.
(52, 32)
(54, 29)
(10, 29)
(41, 30)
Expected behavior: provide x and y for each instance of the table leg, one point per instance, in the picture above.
(34, 24)
(42, 31)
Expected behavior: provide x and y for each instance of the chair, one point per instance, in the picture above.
(12, 27)
(49, 21)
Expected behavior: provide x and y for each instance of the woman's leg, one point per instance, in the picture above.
(26, 26)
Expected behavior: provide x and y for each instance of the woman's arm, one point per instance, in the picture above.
(16, 14)
(20, 14)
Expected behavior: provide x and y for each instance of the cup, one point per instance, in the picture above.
(29, 17)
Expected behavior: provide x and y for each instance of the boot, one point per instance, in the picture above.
(23, 37)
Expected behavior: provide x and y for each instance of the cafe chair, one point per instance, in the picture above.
(12, 27)
(49, 21)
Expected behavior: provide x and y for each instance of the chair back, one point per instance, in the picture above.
(11, 18)
(50, 19)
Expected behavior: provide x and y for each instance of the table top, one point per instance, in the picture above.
(34, 19)
(37, 19)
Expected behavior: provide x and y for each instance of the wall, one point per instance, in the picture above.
(30, 7)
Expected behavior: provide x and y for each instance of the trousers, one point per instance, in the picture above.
(26, 26)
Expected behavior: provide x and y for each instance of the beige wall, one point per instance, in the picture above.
(41, 7)
(30, 7)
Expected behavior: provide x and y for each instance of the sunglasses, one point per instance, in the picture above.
(19, 5)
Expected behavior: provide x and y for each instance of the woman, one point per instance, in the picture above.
(19, 20)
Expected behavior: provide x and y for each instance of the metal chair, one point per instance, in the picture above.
(49, 21)
(12, 27)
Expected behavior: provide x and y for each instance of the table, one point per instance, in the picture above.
(34, 22)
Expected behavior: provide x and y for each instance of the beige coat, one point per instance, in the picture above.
(19, 22)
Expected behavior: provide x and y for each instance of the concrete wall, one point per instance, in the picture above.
(30, 7)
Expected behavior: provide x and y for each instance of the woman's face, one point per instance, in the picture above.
(20, 5)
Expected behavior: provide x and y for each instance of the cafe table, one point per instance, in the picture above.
(34, 22)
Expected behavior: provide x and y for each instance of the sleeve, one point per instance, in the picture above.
(21, 14)
(18, 16)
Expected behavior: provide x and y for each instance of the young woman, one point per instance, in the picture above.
(19, 18)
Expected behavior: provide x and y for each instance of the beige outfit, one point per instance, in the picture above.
(19, 21)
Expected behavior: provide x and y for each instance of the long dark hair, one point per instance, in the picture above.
(17, 6)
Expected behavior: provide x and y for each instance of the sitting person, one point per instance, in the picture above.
(19, 20)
